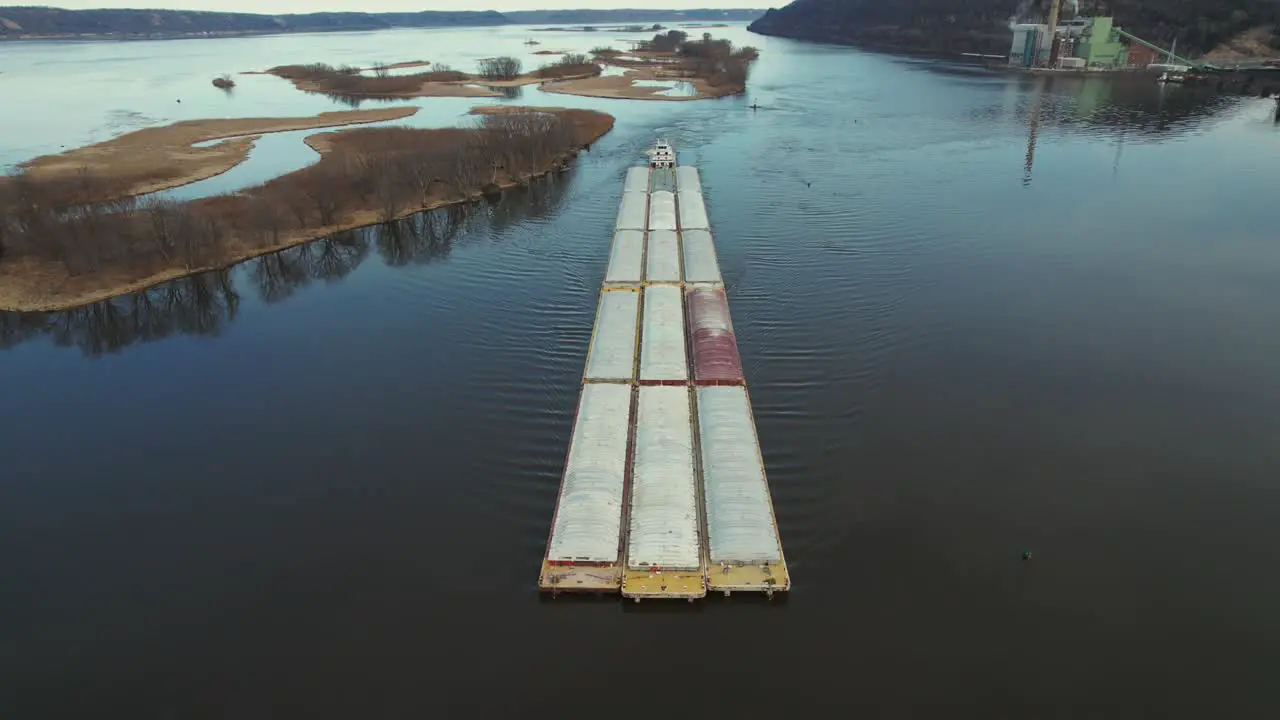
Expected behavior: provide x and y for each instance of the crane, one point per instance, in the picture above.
(1157, 48)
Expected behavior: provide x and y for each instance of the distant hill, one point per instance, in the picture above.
(31, 22)
(579, 17)
(1200, 26)
(46, 22)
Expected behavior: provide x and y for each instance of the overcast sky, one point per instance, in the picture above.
(302, 6)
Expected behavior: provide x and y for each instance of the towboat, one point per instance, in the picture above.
(662, 155)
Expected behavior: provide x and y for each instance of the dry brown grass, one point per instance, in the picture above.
(159, 158)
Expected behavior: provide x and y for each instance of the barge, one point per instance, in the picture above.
(664, 493)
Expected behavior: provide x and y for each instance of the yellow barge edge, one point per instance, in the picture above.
(664, 584)
(561, 578)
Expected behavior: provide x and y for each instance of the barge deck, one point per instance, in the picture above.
(664, 493)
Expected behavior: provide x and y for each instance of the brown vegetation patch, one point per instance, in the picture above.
(1258, 42)
(713, 67)
(57, 252)
(620, 87)
(154, 159)
(347, 82)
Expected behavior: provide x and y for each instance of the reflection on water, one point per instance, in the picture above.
(1124, 107)
(278, 275)
(197, 305)
(508, 93)
(1092, 104)
(422, 238)
(203, 304)
(674, 88)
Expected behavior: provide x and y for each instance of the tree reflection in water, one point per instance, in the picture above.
(421, 238)
(200, 304)
(204, 304)
(538, 199)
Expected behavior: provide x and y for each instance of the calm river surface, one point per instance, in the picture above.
(319, 485)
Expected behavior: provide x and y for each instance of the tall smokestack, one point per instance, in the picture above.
(1053, 24)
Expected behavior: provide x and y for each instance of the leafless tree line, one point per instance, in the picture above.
(66, 221)
(384, 171)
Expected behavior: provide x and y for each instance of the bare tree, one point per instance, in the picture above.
(163, 217)
(324, 197)
(500, 68)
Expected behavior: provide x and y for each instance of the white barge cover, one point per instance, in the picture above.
(693, 211)
(637, 180)
(588, 524)
(613, 342)
(740, 525)
(626, 260)
(662, 210)
(687, 179)
(664, 502)
(700, 264)
(631, 211)
(664, 257)
(662, 356)
(662, 179)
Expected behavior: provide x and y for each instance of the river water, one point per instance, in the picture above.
(979, 314)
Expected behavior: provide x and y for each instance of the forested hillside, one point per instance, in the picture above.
(578, 17)
(46, 22)
(982, 25)
(20, 22)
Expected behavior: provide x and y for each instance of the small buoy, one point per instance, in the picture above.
(1026, 554)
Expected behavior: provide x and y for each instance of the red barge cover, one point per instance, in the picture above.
(715, 347)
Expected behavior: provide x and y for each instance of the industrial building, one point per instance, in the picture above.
(1081, 43)
(1076, 44)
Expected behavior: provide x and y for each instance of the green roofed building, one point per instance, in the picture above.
(1100, 45)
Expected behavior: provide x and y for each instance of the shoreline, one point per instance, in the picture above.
(162, 158)
(19, 296)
